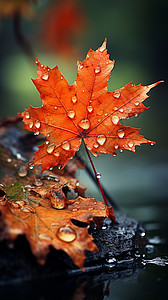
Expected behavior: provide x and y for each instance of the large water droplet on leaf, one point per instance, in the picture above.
(74, 99)
(71, 114)
(84, 124)
(66, 234)
(65, 145)
(101, 138)
(130, 144)
(45, 76)
(31, 124)
(37, 124)
(50, 148)
(97, 70)
(22, 172)
(121, 133)
(116, 94)
(115, 119)
(90, 108)
(27, 115)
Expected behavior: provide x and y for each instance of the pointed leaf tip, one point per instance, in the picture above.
(103, 46)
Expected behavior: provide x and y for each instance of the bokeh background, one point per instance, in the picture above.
(60, 33)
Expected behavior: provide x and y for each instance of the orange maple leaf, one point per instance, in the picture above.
(84, 111)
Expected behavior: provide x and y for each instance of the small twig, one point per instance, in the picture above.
(21, 39)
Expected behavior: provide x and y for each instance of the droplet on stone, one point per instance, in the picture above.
(56, 153)
(115, 119)
(45, 76)
(84, 124)
(116, 94)
(71, 114)
(22, 172)
(74, 99)
(97, 70)
(121, 133)
(136, 103)
(50, 148)
(101, 138)
(90, 108)
(31, 124)
(65, 145)
(27, 115)
(98, 175)
(37, 124)
(27, 209)
(38, 182)
(66, 234)
(130, 144)
(45, 237)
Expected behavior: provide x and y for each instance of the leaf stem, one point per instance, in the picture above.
(96, 174)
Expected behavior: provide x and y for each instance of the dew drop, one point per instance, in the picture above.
(136, 115)
(71, 114)
(66, 234)
(37, 124)
(38, 182)
(56, 153)
(114, 155)
(96, 145)
(115, 108)
(115, 119)
(116, 94)
(74, 99)
(31, 124)
(99, 113)
(84, 124)
(151, 144)
(55, 107)
(65, 145)
(80, 66)
(59, 167)
(50, 148)
(121, 133)
(97, 70)
(47, 142)
(9, 160)
(130, 144)
(106, 114)
(121, 150)
(22, 172)
(21, 203)
(27, 115)
(19, 156)
(45, 237)
(75, 209)
(121, 110)
(15, 205)
(99, 120)
(61, 77)
(90, 108)
(116, 146)
(45, 76)
(98, 175)
(101, 138)
(37, 133)
(136, 103)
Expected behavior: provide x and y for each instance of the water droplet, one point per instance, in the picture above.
(83, 91)
(121, 150)
(31, 167)
(71, 114)
(50, 148)
(116, 94)
(27, 115)
(97, 70)
(121, 133)
(19, 156)
(116, 146)
(106, 114)
(96, 145)
(38, 182)
(101, 138)
(131, 144)
(37, 124)
(99, 120)
(15, 205)
(75, 209)
(37, 133)
(98, 175)
(55, 107)
(56, 153)
(65, 145)
(151, 144)
(47, 142)
(99, 113)
(114, 155)
(90, 108)
(21, 203)
(115, 119)
(91, 208)
(74, 99)
(59, 167)
(45, 76)
(9, 160)
(61, 77)
(121, 110)
(45, 237)
(66, 234)
(27, 209)
(84, 124)
(136, 103)
(136, 115)
(150, 248)
(31, 124)
(80, 66)
(22, 172)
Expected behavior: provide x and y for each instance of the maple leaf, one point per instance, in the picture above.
(84, 111)
(34, 204)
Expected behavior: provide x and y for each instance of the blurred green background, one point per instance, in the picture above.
(136, 33)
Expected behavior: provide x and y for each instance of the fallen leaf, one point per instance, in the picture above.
(84, 111)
